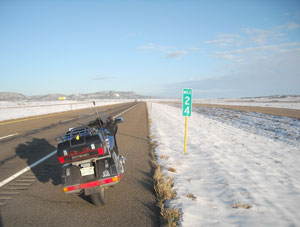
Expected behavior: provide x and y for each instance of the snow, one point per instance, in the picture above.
(234, 159)
(14, 110)
(230, 166)
(275, 127)
(288, 102)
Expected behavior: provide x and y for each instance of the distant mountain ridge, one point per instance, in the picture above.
(13, 96)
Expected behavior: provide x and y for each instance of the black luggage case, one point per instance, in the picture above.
(80, 145)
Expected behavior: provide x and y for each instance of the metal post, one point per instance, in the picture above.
(185, 134)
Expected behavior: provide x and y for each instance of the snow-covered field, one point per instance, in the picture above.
(241, 170)
(279, 128)
(13, 110)
(288, 102)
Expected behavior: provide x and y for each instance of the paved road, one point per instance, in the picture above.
(35, 198)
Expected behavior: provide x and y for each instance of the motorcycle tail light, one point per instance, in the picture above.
(71, 188)
(100, 151)
(61, 160)
(90, 184)
(111, 180)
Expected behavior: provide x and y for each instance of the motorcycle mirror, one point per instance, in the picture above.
(119, 120)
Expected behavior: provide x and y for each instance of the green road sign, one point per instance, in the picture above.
(187, 102)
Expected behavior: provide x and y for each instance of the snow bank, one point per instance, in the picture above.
(229, 176)
(13, 110)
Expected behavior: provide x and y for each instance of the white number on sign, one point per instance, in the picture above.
(187, 110)
(187, 100)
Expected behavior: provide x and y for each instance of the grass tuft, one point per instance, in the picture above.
(171, 169)
(163, 186)
(172, 216)
(239, 205)
(164, 156)
(191, 196)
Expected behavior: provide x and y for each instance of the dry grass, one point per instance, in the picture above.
(171, 169)
(191, 196)
(164, 156)
(163, 187)
(172, 216)
(239, 205)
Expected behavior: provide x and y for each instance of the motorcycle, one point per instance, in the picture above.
(90, 159)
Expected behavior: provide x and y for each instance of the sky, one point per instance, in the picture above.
(220, 49)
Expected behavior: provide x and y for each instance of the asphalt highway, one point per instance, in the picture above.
(35, 198)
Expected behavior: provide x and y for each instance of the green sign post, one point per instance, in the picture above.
(186, 109)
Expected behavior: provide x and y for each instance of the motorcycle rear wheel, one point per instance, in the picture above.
(99, 199)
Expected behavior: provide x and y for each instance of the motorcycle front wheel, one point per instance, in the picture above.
(99, 199)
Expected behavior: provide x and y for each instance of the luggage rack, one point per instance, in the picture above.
(74, 132)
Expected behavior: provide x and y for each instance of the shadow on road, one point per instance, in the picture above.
(34, 150)
(1, 220)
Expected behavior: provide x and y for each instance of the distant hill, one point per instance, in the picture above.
(12, 96)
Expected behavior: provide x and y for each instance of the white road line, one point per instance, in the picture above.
(26, 180)
(9, 193)
(125, 111)
(21, 184)
(5, 198)
(8, 136)
(16, 188)
(42, 159)
(67, 120)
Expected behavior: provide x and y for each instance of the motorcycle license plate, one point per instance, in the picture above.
(87, 171)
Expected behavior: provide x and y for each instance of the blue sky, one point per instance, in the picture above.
(220, 49)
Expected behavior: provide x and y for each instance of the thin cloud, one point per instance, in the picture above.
(292, 26)
(257, 36)
(229, 35)
(266, 62)
(220, 42)
(224, 40)
(176, 54)
(194, 48)
(103, 78)
(152, 46)
(246, 53)
(133, 34)
(224, 55)
(169, 52)
(149, 46)
(263, 36)
(288, 26)
(277, 74)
